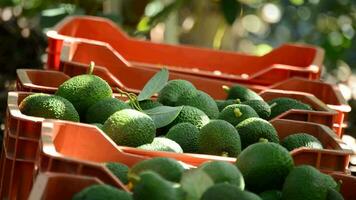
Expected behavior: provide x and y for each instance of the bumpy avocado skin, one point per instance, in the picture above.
(225, 191)
(242, 93)
(186, 135)
(99, 192)
(83, 91)
(236, 113)
(261, 107)
(219, 137)
(298, 140)
(103, 109)
(253, 129)
(152, 186)
(119, 170)
(162, 144)
(201, 100)
(173, 90)
(49, 106)
(283, 104)
(168, 168)
(130, 127)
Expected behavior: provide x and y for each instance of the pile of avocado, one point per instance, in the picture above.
(235, 127)
(203, 125)
(167, 179)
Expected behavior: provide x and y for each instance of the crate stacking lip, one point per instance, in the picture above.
(282, 63)
(61, 136)
(29, 80)
(21, 160)
(48, 185)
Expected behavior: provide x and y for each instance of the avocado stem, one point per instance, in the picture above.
(238, 101)
(273, 105)
(91, 67)
(237, 112)
(132, 99)
(226, 88)
(225, 154)
(263, 140)
(338, 187)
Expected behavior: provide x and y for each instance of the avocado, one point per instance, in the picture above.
(191, 115)
(242, 93)
(186, 135)
(283, 104)
(225, 191)
(334, 195)
(151, 186)
(223, 103)
(236, 113)
(173, 90)
(271, 195)
(100, 126)
(298, 140)
(305, 182)
(168, 168)
(224, 172)
(264, 166)
(99, 192)
(253, 129)
(162, 144)
(261, 107)
(200, 100)
(219, 137)
(48, 106)
(103, 109)
(130, 127)
(149, 104)
(119, 170)
(83, 91)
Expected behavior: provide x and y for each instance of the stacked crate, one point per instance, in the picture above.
(62, 152)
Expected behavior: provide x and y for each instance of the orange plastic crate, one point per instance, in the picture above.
(282, 63)
(32, 80)
(57, 134)
(19, 162)
(20, 152)
(348, 185)
(323, 114)
(49, 185)
(58, 186)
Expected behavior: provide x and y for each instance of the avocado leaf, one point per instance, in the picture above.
(230, 9)
(154, 85)
(163, 115)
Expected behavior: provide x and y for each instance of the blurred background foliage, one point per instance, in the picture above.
(249, 26)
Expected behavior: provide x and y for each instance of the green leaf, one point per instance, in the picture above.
(230, 9)
(148, 22)
(195, 182)
(163, 115)
(154, 85)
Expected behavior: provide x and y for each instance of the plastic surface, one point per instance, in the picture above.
(320, 114)
(39, 80)
(327, 160)
(348, 185)
(57, 186)
(282, 63)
